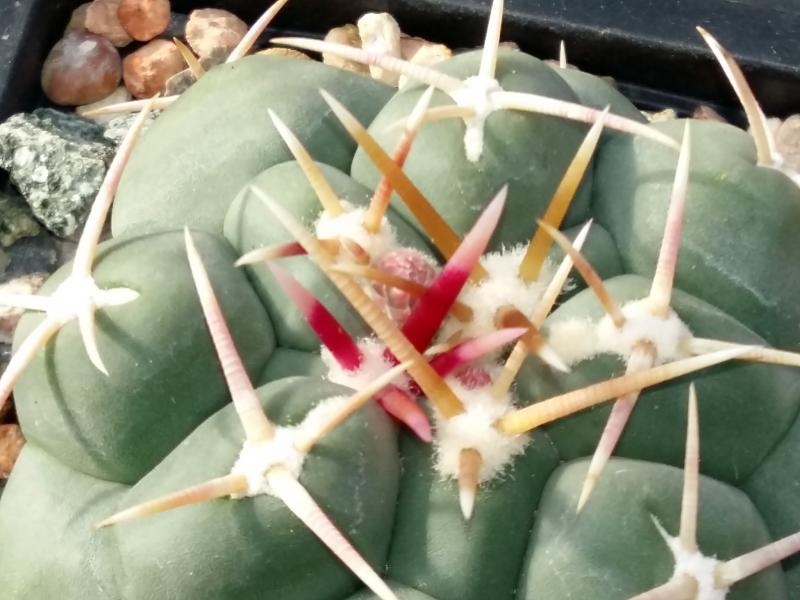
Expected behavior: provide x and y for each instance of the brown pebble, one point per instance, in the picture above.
(210, 30)
(147, 70)
(349, 36)
(81, 68)
(706, 113)
(77, 22)
(144, 19)
(179, 83)
(121, 94)
(787, 139)
(421, 52)
(285, 53)
(102, 19)
(11, 443)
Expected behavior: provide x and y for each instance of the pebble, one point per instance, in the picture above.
(668, 114)
(285, 52)
(10, 316)
(117, 128)
(121, 94)
(706, 113)
(421, 52)
(57, 161)
(416, 50)
(380, 33)
(147, 70)
(180, 82)
(77, 22)
(347, 35)
(11, 443)
(144, 19)
(102, 18)
(211, 30)
(787, 139)
(81, 68)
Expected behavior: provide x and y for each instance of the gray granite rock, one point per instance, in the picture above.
(57, 161)
(5, 260)
(16, 218)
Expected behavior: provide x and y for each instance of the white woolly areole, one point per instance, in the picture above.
(476, 93)
(502, 287)
(694, 564)
(373, 365)
(256, 458)
(319, 416)
(669, 335)
(76, 292)
(350, 225)
(575, 340)
(474, 428)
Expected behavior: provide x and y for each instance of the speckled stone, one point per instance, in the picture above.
(57, 161)
(16, 219)
(5, 260)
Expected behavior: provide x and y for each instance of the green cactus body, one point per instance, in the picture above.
(564, 549)
(227, 110)
(459, 188)
(593, 91)
(257, 544)
(655, 433)
(434, 551)
(162, 421)
(49, 510)
(246, 228)
(119, 427)
(286, 362)
(727, 194)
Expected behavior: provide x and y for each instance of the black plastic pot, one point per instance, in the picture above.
(649, 47)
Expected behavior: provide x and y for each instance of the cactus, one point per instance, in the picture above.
(451, 363)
